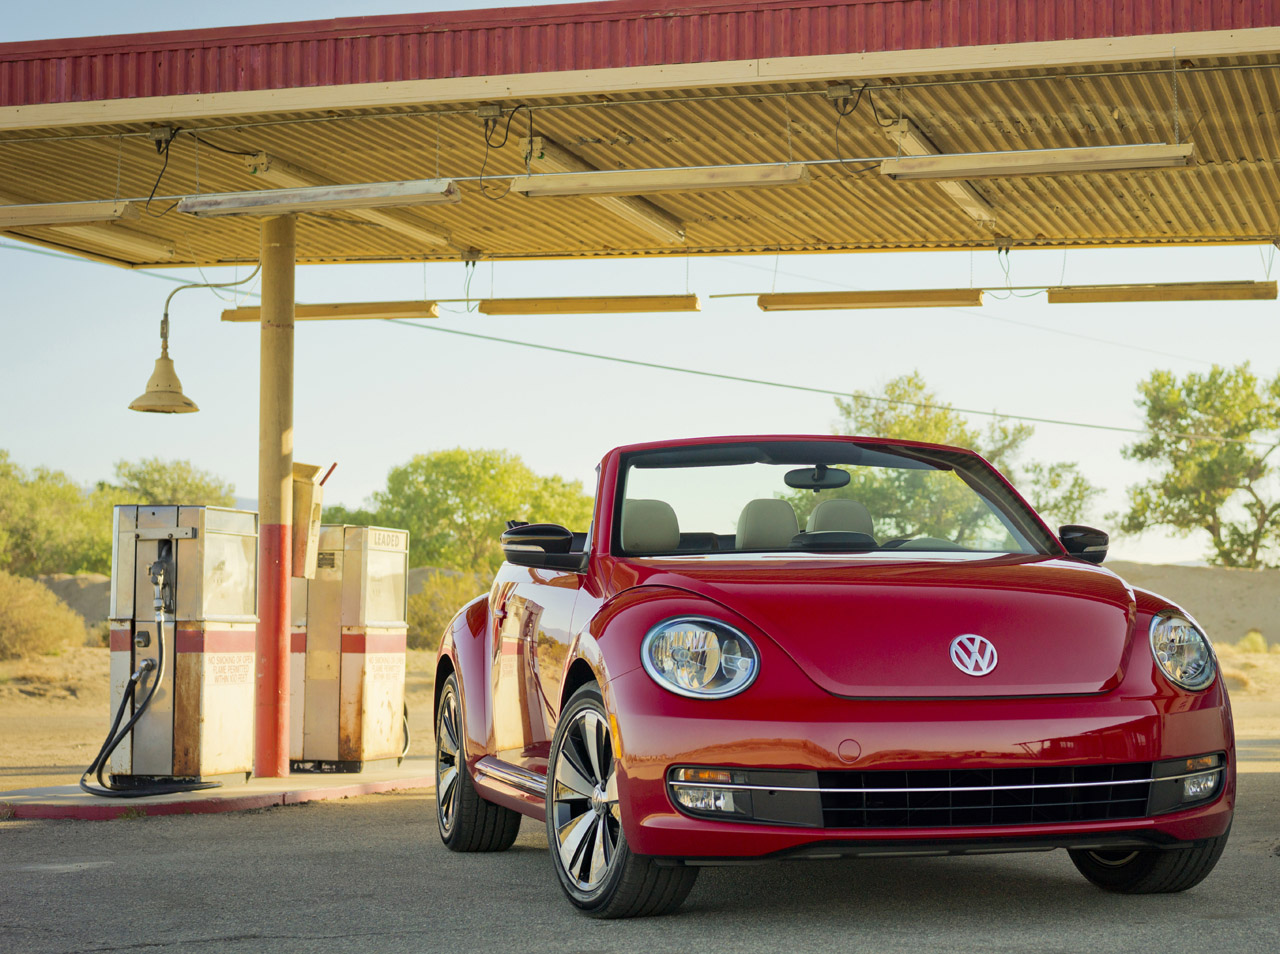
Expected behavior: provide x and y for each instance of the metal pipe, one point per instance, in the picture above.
(275, 496)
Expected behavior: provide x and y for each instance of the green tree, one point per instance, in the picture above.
(443, 593)
(455, 505)
(154, 480)
(906, 409)
(1226, 488)
(49, 524)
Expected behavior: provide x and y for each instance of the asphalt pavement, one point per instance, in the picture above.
(370, 874)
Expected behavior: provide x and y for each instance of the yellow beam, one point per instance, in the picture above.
(912, 142)
(640, 181)
(604, 305)
(1039, 162)
(344, 311)
(1169, 291)
(898, 298)
(549, 156)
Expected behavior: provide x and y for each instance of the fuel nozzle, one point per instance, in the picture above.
(161, 578)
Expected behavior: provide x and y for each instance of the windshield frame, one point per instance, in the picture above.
(983, 479)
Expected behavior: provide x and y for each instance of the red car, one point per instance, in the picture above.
(820, 647)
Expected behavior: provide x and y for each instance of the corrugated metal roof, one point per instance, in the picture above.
(1227, 107)
(568, 37)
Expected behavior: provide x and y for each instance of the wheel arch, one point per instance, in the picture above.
(580, 674)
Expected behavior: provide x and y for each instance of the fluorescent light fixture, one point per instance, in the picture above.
(900, 298)
(65, 213)
(119, 240)
(658, 222)
(639, 181)
(605, 305)
(325, 198)
(912, 142)
(286, 175)
(1039, 162)
(1168, 291)
(348, 311)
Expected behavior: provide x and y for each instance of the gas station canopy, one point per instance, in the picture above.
(777, 92)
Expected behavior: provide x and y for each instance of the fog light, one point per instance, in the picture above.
(1199, 786)
(705, 799)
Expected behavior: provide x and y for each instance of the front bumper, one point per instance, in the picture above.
(793, 726)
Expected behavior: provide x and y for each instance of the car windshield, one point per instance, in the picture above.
(833, 496)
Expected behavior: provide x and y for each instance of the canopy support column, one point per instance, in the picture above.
(275, 497)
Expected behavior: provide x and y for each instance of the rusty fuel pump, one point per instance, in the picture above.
(183, 621)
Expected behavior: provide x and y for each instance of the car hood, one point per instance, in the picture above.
(865, 628)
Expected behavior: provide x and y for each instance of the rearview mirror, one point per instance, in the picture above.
(542, 545)
(1084, 543)
(818, 477)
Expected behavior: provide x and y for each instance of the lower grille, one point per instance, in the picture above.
(977, 797)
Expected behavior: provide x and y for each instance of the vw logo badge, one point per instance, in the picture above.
(973, 655)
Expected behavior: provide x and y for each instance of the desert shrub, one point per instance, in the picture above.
(98, 636)
(1237, 681)
(33, 621)
(1253, 642)
(443, 593)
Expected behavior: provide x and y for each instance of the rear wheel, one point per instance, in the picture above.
(1150, 871)
(593, 863)
(466, 821)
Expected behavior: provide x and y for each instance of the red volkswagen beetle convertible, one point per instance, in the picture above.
(819, 647)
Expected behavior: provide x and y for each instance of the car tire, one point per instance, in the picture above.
(466, 821)
(1150, 871)
(595, 866)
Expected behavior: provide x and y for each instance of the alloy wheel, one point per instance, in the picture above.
(584, 805)
(448, 746)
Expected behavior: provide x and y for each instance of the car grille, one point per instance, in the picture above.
(976, 797)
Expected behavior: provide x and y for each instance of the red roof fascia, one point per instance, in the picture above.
(568, 37)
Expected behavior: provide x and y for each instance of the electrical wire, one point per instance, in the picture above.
(815, 390)
(843, 109)
(162, 147)
(490, 125)
(213, 145)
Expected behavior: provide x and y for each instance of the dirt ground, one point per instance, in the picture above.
(54, 709)
(54, 714)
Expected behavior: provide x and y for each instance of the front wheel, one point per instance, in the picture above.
(466, 821)
(593, 863)
(1150, 871)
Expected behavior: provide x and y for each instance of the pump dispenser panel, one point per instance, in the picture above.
(199, 724)
(347, 665)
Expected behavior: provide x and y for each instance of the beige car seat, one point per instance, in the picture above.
(846, 515)
(766, 524)
(649, 526)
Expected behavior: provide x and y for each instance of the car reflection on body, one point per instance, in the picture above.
(822, 647)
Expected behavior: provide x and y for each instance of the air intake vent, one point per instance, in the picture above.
(977, 797)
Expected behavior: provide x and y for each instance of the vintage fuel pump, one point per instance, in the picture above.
(347, 665)
(183, 620)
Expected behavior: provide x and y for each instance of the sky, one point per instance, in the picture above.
(80, 338)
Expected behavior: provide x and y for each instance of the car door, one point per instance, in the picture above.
(532, 611)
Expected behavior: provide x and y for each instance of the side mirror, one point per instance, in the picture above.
(1084, 543)
(542, 545)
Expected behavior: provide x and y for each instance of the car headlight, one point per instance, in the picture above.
(1182, 652)
(700, 658)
